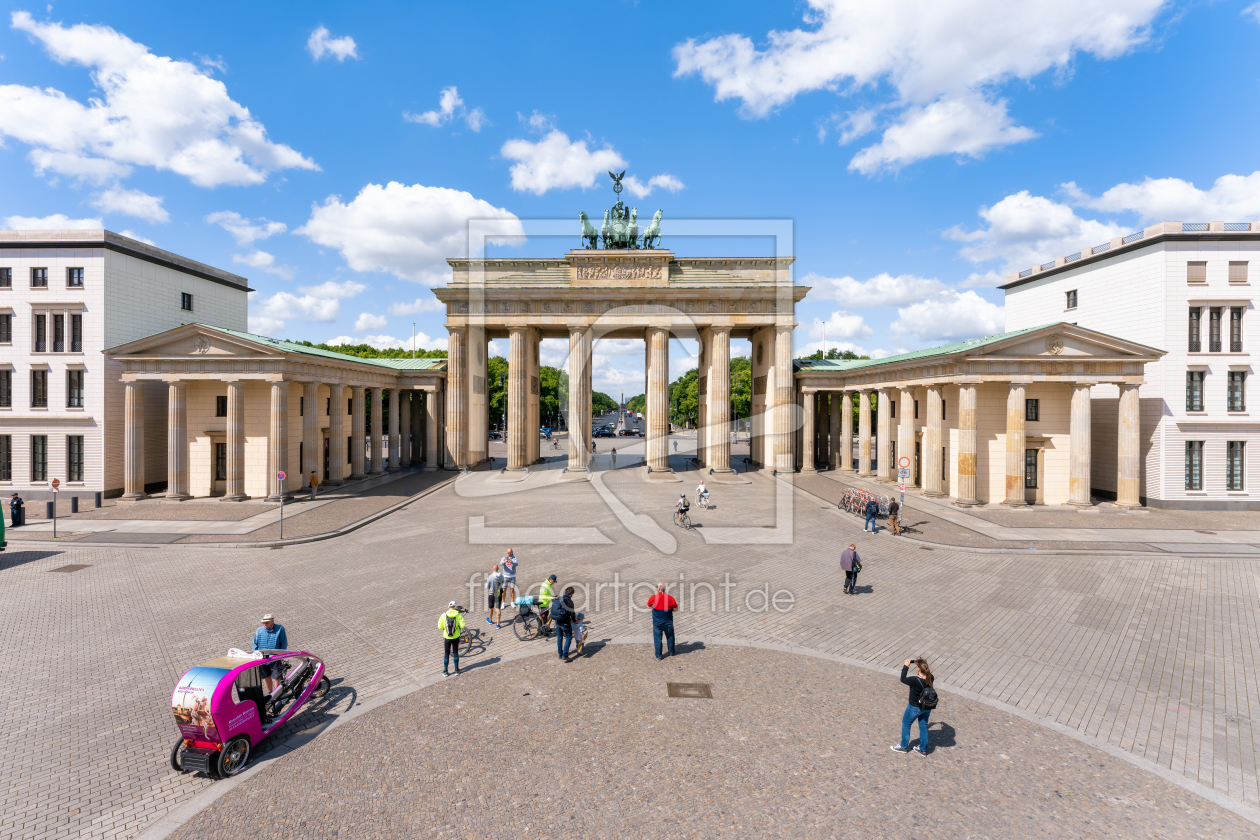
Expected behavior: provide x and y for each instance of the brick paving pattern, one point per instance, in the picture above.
(1152, 654)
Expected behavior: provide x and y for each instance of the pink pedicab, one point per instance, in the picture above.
(223, 710)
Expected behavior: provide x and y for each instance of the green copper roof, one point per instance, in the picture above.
(829, 365)
(290, 347)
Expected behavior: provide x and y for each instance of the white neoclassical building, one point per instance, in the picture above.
(1187, 288)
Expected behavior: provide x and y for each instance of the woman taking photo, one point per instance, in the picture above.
(922, 701)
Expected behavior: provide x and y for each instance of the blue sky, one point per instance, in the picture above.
(331, 153)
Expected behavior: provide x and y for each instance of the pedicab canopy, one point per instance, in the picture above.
(194, 698)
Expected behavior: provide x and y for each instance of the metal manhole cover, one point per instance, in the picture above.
(73, 567)
(699, 691)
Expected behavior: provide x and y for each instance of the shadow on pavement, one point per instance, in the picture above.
(941, 735)
(12, 559)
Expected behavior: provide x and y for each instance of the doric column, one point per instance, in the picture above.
(824, 430)
(905, 431)
(719, 401)
(1079, 468)
(966, 493)
(312, 449)
(404, 429)
(933, 440)
(278, 440)
(457, 397)
(336, 435)
(1015, 446)
(133, 442)
(864, 432)
(1129, 444)
(358, 431)
(836, 433)
(884, 409)
(235, 441)
(579, 398)
(809, 432)
(176, 442)
(377, 432)
(534, 398)
(417, 428)
(658, 399)
(432, 446)
(518, 399)
(783, 409)
(846, 432)
(395, 438)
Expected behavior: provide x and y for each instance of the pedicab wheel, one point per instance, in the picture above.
(175, 762)
(233, 757)
(526, 627)
(321, 689)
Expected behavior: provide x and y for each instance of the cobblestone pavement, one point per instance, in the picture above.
(1154, 655)
(789, 746)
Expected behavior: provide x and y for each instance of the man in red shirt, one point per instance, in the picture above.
(663, 606)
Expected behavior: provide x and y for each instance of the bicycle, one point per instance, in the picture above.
(682, 519)
(471, 636)
(529, 624)
(704, 501)
(292, 686)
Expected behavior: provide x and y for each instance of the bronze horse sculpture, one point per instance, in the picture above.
(590, 236)
(652, 235)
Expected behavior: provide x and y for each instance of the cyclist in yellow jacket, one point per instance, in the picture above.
(451, 623)
(545, 595)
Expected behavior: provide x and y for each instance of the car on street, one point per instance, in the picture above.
(603, 433)
(496, 436)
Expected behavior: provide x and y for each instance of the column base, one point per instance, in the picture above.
(885, 480)
(1015, 503)
(332, 482)
(845, 469)
(128, 498)
(934, 494)
(233, 497)
(357, 476)
(966, 503)
(375, 472)
(1130, 506)
(1083, 506)
(286, 497)
(176, 497)
(808, 471)
(861, 474)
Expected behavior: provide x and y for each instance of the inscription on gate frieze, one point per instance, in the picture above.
(619, 272)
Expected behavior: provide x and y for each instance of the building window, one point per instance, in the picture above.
(74, 277)
(1237, 271)
(916, 409)
(1235, 329)
(1194, 390)
(1196, 272)
(301, 406)
(6, 328)
(942, 409)
(349, 449)
(41, 333)
(39, 457)
(1237, 390)
(1071, 299)
(1032, 410)
(74, 388)
(1194, 465)
(1030, 469)
(185, 301)
(6, 278)
(76, 333)
(1235, 462)
(349, 406)
(220, 462)
(1214, 329)
(1196, 317)
(6, 457)
(892, 408)
(74, 458)
(328, 406)
(39, 389)
(59, 333)
(220, 406)
(6, 389)
(39, 278)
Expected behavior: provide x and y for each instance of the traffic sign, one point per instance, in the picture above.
(904, 462)
(903, 474)
(280, 476)
(903, 488)
(56, 482)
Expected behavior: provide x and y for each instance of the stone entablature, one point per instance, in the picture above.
(635, 268)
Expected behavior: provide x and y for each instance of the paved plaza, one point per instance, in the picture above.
(1145, 657)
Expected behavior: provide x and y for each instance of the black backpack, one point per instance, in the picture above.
(928, 698)
(452, 626)
(559, 612)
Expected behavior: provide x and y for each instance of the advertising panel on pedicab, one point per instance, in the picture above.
(191, 702)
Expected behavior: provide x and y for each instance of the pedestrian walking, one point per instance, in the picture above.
(852, 564)
(871, 510)
(314, 485)
(562, 614)
(17, 511)
(508, 566)
(451, 623)
(894, 511)
(494, 596)
(921, 703)
(270, 636)
(614, 458)
(663, 607)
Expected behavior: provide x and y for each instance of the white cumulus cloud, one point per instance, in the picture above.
(388, 342)
(950, 316)
(334, 289)
(116, 199)
(151, 111)
(57, 221)
(245, 231)
(640, 190)
(937, 61)
(555, 162)
(840, 326)
(131, 234)
(264, 262)
(880, 290)
(409, 231)
(1024, 229)
(366, 322)
(420, 304)
(1232, 198)
(267, 315)
(449, 105)
(321, 44)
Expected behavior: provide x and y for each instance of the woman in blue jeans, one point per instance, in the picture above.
(917, 683)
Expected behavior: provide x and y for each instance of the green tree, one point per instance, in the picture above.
(684, 398)
(601, 402)
(833, 353)
(741, 388)
(637, 404)
(367, 351)
(496, 393)
(549, 385)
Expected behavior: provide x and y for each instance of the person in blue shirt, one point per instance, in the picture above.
(270, 636)
(872, 511)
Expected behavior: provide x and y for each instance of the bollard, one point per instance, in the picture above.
(48, 509)
(74, 504)
(96, 499)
